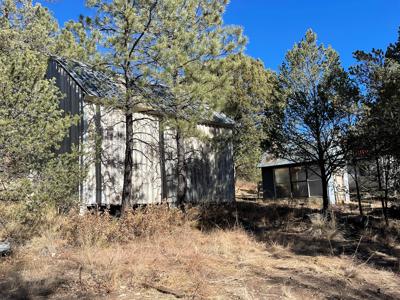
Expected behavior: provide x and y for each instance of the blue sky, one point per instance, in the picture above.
(273, 26)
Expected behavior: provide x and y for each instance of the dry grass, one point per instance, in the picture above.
(226, 253)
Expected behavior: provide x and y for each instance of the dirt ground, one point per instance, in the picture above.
(252, 250)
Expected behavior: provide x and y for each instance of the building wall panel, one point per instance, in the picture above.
(210, 169)
(209, 156)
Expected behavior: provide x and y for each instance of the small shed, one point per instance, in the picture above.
(209, 162)
(283, 178)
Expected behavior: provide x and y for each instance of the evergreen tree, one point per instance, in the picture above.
(193, 45)
(165, 52)
(252, 103)
(32, 125)
(378, 74)
(320, 99)
(76, 41)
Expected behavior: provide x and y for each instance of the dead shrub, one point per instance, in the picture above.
(21, 221)
(323, 226)
(101, 229)
(155, 252)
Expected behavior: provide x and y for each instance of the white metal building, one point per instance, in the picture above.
(209, 162)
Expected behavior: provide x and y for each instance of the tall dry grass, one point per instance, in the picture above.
(154, 248)
(157, 252)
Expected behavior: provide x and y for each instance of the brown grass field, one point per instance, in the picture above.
(251, 250)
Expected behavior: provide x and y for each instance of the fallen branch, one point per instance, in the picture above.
(164, 290)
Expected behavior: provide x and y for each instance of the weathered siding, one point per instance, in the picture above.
(146, 180)
(90, 185)
(210, 166)
(209, 158)
(71, 102)
(170, 155)
(209, 162)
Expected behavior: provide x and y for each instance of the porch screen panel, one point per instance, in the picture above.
(299, 181)
(314, 181)
(282, 182)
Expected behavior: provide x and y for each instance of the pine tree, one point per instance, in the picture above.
(378, 74)
(192, 48)
(32, 125)
(320, 100)
(170, 46)
(252, 103)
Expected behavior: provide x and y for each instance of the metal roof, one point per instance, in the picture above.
(269, 160)
(94, 83)
(97, 84)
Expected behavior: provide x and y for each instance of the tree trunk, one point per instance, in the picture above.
(384, 211)
(325, 198)
(164, 185)
(378, 170)
(324, 181)
(387, 181)
(357, 189)
(128, 163)
(180, 170)
(98, 154)
(385, 205)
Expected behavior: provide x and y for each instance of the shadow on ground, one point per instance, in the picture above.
(13, 287)
(368, 241)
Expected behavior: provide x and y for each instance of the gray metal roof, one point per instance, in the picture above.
(222, 118)
(98, 84)
(269, 160)
(93, 82)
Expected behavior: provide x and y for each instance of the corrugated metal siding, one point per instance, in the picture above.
(170, 163)
(146, 179)
(89, 158)
(209, 160)
(210, 169)
(112, 155)
(71, 102)
(210, 172)
(209, 165)
(83, 134)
